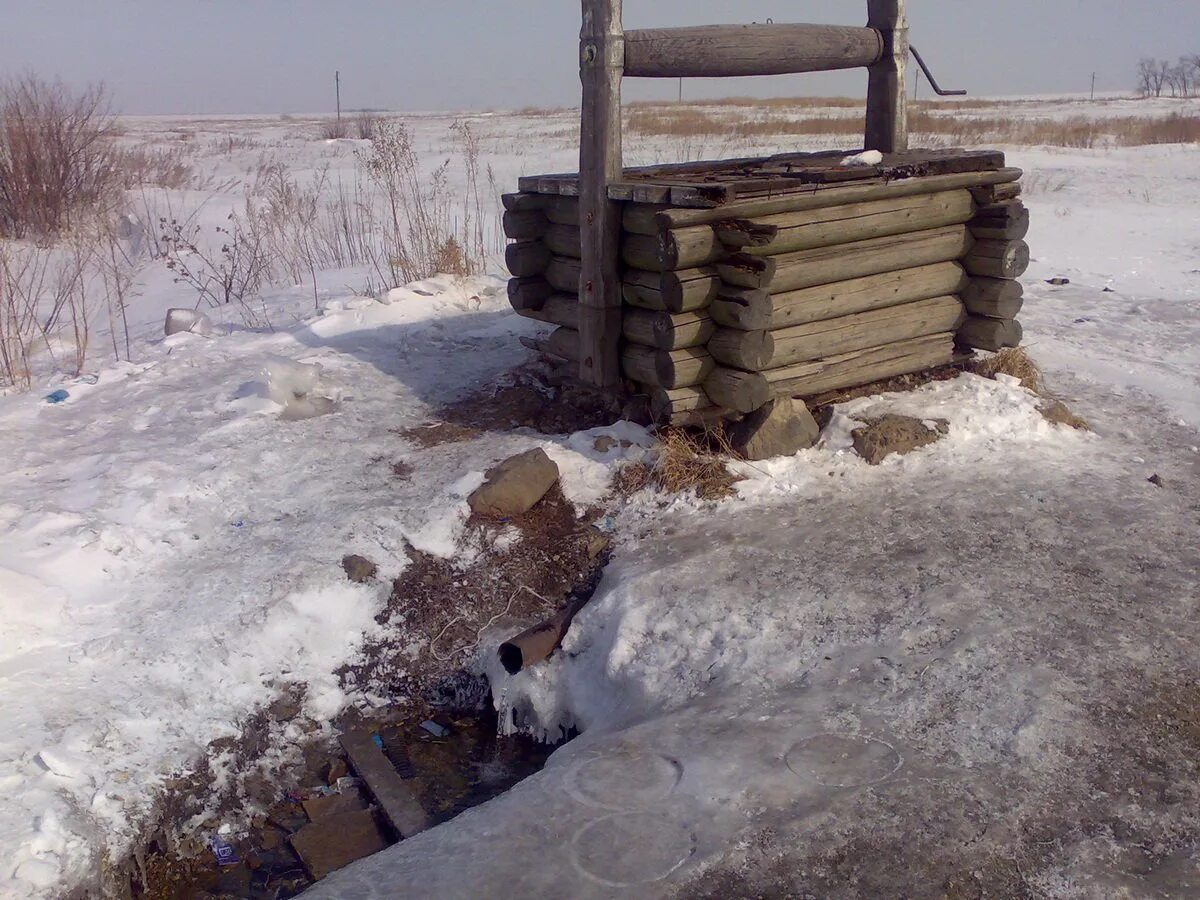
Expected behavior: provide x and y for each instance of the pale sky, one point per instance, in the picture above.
(275, 56)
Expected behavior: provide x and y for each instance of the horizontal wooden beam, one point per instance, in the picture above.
(720, 51)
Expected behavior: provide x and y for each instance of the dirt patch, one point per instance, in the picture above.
(1012, 361)
(529, 566)
(529, 400)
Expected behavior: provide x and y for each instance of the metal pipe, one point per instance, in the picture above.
(929, 75)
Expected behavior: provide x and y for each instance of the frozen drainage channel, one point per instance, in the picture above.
(637, 812)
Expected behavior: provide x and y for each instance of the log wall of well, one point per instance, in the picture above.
(725, 308)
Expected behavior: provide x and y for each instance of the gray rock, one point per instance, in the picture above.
(514, 486)
(359, 568)
(604, 443)
(895, 434)
(782, 427)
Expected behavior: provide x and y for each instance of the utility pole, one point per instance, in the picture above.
(337, 89)
(680, 90)
(1093, 85)
(916, 84)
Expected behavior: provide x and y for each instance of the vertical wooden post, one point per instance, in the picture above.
(887, 105)
(601, 67)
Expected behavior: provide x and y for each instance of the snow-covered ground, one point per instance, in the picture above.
(982, 637)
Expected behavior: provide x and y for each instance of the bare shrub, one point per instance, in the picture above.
(232, 274)
(56, 157)
(43, 307)
(364, 126)
(335, 130)
(161, 166)
(422, 233)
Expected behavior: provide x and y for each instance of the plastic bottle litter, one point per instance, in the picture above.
(57, 396)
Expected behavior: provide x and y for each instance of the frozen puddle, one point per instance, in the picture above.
(638, 811)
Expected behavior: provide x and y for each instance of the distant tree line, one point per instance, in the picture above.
(1157, 76)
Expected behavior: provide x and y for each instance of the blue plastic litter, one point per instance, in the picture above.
(377, 741)
(57, 396)
(225, 854)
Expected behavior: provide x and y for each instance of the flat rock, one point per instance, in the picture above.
(191, 320)
(782, 427)
(337, 841)
(359, 568)
(890, 434)
(514, 486)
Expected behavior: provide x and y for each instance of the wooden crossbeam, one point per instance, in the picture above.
(720, 51)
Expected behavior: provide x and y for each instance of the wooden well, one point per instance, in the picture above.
(713, 287)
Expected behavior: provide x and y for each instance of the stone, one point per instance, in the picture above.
(597, 542)
(337, 841)
(604, 443)
(890, 434)
(514, 486)
(359, 569)
(783, 427)
(1156, 480)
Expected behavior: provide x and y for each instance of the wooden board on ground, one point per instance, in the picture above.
(337, 841)
(395, 797)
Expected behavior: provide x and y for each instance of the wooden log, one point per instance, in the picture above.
(563, 210)
(1002, 222)
(1000, 298)
(563, 240)
(639, 218)
(721, 51)
(860, 221)
(831, 195)
(859, 367)
(522, 202)
(826, 265)
(528, 293)
(702, 418)
(558, 309)
(748, 309)
(602, 60)
(734, 389)
(563, 273)
(989, 334)
(997, 259)
(667, 251)
(997, 193)
(666, 368)
(887, 103)
(738, 233)
(666, 404)
(524, 225)
(667, 331)
(744, 270)
(833, 337)
(684, 291)
(527, 258)
(749, 350)
(561, 342)
(751, 310)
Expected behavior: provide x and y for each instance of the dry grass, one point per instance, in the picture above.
(684, 461)
(1014, 362)
(944, 123)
